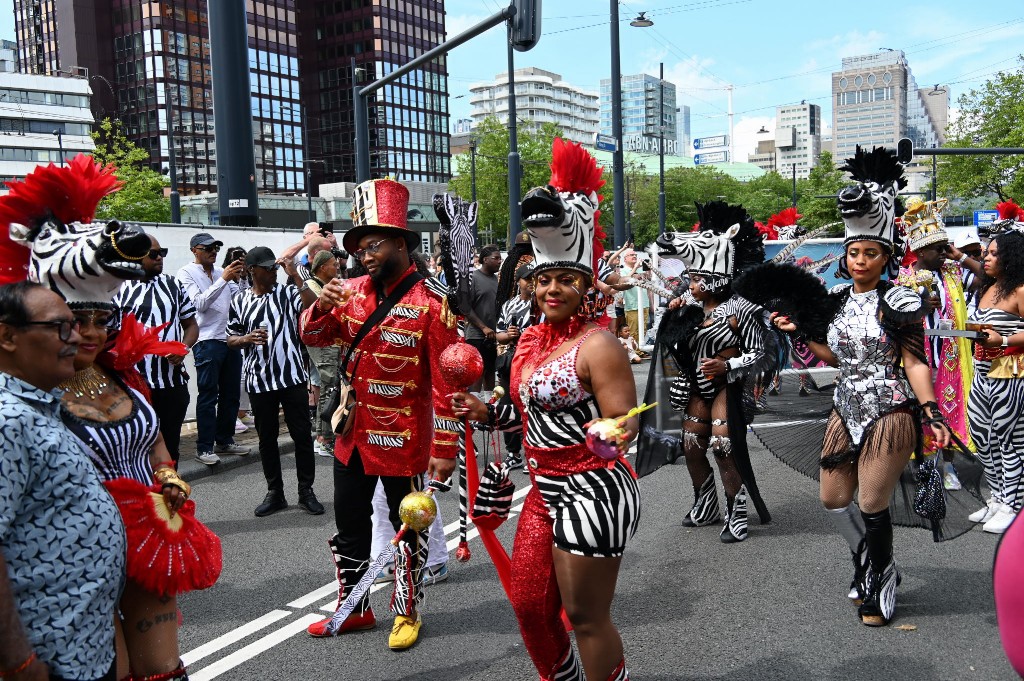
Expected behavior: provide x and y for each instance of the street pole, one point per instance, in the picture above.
(309, 194)
(171, 165)
(935, 179)
(661, 155)
(618, 188)
(794, 185)
(514, 188)
(362, 133)
(472, 169)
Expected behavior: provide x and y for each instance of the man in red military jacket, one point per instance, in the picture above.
(395, 371)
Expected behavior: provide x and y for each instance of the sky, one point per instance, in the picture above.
(771, 52)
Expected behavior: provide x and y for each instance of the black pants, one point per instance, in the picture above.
(489, 351)
(295, 403)
(170, 405)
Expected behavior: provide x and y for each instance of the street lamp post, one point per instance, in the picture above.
(618, 193)
(794, 185)
(60, 144)
(661, 153)
(309, 187)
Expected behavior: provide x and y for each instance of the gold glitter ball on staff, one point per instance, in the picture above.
(417, 510)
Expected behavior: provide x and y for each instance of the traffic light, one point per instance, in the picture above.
(524, 28)
(905, 150)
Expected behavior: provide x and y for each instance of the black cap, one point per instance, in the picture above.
(204, 239)
(261, 256)
(524, 271)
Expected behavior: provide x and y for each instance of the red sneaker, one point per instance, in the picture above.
(355, 622)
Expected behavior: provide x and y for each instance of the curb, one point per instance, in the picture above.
(191, 470)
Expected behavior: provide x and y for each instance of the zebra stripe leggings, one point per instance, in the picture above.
(995, 410)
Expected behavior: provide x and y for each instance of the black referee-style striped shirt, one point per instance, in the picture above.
(156, 302)
(278, 364)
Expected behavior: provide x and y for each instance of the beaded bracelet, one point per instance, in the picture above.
(20, 668)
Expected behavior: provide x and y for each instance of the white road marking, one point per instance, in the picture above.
(235, 635)
(255, 648)
(272, 639)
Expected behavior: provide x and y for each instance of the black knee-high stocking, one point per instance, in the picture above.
(878, 537)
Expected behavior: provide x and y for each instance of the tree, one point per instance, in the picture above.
(990, 116)
(817, 202)
(492, 170)
(141, 199)
(766, 195)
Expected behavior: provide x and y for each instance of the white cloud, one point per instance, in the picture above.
(746, 137)
(848, 44)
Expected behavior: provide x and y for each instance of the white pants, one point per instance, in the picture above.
(383, 532)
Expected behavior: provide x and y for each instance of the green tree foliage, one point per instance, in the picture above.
(142, 197)
(990, 116)
(492, 170)
(824, 181)
(766, 195)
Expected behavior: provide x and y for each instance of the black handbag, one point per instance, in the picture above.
(341, 404)
(930, 500)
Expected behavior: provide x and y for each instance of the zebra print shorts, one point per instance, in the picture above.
(594, 512)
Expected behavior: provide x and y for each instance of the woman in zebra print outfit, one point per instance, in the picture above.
(110, 414)
(876, 340)
(566, 372)
(995, 405)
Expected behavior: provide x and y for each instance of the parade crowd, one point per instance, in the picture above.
(346, 341)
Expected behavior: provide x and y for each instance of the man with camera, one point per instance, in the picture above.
(218, 367)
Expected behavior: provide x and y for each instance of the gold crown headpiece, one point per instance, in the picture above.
(923, 224)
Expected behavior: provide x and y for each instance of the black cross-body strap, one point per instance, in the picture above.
(381, 312)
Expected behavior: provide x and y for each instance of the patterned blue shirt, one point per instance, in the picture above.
(61, 535)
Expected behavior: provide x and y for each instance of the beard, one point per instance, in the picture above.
(385, 271)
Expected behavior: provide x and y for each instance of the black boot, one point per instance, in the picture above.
(882, 578)
(309, 503)
(860, 569)
(705, 509)
(348, 571)
(272, 503)
(735, 529)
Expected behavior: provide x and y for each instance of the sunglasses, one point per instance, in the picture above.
(269, 268)
(208, 249)
(155, 253)
(372, 249)
(64, 327)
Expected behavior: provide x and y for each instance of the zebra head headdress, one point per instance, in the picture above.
(561, 218)
(456, 236)
(726, 244)
(50, 214)
(1011, 216)
(868, 208)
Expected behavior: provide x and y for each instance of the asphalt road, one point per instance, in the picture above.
(688, 606)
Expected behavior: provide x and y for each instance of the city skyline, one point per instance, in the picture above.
(945, 42)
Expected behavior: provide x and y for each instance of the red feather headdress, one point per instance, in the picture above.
(1008, 210)
(68, 193)
(784, 218)
(574, 169)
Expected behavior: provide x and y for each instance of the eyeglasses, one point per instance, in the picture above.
(64, 327)
(372, 249)
(208, 249)
(155, 253)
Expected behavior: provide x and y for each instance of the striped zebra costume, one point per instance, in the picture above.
(995, 409)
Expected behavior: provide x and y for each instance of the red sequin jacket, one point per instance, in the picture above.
(396, 377)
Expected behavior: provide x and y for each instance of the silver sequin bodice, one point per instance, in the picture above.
(869, 384)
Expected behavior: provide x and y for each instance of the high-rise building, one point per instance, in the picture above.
(43, 119)
(137, 54)
(642, 111)
(408, 119)
(683, 135)
(541, 97)
(876, 102)
(797, 138)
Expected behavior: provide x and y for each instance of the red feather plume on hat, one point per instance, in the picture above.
(1008, 210)
(68, 193)
(767, 231)
(574, 169)
(784, 218)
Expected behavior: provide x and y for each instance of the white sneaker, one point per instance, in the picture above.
(240, 427)
(324, 450)
(209, 458)
(1000, 520)
(232, 448)
(984, 514)
(248, 420)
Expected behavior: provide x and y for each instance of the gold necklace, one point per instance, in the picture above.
(86, 383)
